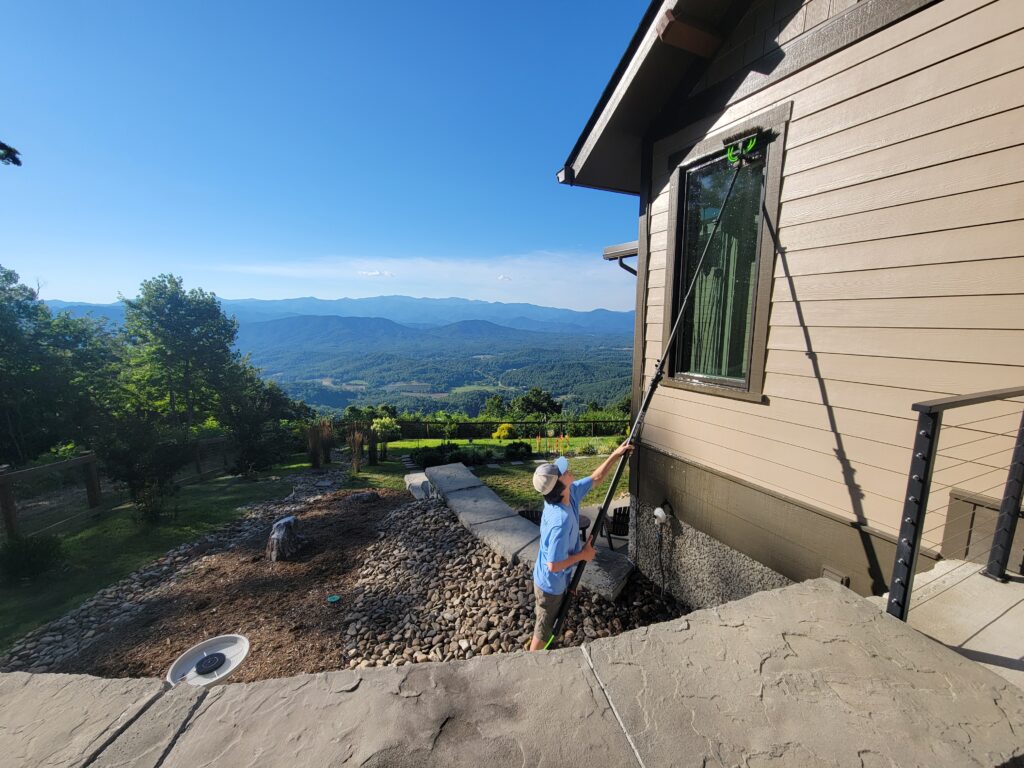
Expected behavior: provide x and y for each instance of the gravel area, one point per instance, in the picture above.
(412, 585)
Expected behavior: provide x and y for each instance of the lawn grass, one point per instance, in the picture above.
(117, 545)
(387, 474)
(575, 444)
(514, 484)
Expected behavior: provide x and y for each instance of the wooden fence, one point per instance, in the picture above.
(8, 480)
(50, 498)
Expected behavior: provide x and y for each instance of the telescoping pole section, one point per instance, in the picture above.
(743, 153)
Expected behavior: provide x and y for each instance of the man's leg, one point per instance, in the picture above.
(546, 608)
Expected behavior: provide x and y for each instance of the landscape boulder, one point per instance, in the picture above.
(283, 543)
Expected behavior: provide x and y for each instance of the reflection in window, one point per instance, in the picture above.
(715, 335)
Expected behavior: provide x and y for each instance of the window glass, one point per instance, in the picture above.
(715, 335)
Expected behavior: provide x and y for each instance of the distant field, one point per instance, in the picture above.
(488, 388)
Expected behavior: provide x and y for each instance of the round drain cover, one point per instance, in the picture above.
(210, 663)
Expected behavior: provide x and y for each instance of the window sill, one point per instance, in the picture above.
(706, 389)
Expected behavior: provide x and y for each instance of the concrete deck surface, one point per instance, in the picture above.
(808, 675)
(977, 617)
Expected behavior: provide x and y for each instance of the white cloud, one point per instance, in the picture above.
(574, 280)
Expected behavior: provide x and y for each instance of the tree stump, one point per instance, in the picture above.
(283, 543)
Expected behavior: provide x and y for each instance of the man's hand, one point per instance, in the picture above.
(588, 552)
(626, 447)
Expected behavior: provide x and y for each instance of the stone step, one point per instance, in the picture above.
(418, 485)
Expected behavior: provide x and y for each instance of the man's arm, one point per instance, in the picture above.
(587, 553)
(601, 472)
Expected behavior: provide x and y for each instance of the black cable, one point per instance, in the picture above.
(975, 561)
(661, 566)
(988, 418)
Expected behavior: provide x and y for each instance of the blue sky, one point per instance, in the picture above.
(324, 149)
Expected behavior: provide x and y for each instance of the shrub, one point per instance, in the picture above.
(66, 451)
(260, 447)
(504, 432)
(588, 449)
(427, 457)
(29, 557)
(577, 429)
(466, 457)
(145, 458)
(518, 451)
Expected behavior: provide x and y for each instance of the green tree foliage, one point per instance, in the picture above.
(53, 374)
(386, 428)
(141, 451)
(536, 402)
(181, 346)
(259, 416)
(495, 408)
(623, 405)
(139, 398)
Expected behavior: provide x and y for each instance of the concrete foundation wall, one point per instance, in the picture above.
(694, 567)
(727, 539)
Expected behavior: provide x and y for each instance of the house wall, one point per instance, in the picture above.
(765, 27)
(902, 223)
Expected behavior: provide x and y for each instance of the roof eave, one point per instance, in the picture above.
(665, 45)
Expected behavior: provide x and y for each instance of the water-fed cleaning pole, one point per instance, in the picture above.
(739, 153)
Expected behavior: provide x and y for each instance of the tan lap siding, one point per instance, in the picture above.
(903, 220)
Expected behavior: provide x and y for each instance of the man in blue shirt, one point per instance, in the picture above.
(560, 543)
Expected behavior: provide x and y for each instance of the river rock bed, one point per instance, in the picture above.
(429, 591)
(408, 584)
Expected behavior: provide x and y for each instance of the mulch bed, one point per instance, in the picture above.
(280, 607)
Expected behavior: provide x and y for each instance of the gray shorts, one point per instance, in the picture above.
(546, 610)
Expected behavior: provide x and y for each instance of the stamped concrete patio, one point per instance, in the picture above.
(808, 675)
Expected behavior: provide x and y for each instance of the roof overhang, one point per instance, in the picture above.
(673, 36)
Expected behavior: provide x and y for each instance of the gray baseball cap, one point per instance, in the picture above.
(546, 475)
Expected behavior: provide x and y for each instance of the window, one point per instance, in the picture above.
(721, 343)
(714, 340)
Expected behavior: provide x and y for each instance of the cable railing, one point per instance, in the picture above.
(975, 525)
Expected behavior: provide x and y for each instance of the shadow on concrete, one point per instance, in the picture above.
(994, 659)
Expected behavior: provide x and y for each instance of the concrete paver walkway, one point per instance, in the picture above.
(809, 675)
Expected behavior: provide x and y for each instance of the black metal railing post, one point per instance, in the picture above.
(1009, 511)
(914, 505)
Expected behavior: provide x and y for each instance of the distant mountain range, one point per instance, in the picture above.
(404, 310)
(424, 353)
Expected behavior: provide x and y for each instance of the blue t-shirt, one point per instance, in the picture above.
(559, 538)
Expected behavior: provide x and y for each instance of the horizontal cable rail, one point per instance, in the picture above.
(961, 530)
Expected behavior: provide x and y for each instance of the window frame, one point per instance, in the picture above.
(774, 123)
